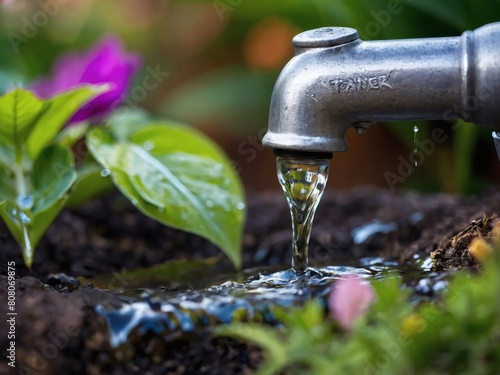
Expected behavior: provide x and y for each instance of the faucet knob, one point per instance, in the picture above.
(325, 37)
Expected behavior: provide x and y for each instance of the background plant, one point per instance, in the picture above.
(35, 173)
(169, 171)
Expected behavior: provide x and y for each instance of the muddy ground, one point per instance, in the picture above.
(58, 331)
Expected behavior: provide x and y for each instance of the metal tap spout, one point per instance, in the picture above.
(336, 81)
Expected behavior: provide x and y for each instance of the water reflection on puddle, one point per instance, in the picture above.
(173, 313)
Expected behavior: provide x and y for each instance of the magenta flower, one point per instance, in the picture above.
(104, 63)
(349, 300)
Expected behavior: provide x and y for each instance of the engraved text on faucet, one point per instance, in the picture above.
(360, 83)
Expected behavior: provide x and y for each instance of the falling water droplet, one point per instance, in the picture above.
(240, 206)
(148, 145)
(415, 140)
(25, 202)
(303, 182)
(105, 172)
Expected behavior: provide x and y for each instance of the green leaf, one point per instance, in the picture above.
(35, 176)
(42, 220)
(19, 112)
(124, 121)
(71, 134)
(7, 190)
(179, 177)
(9, 214)
(90, 183)
(28, 228)
(27, 121)
(53, 175)
(59, 110)
(7, 158)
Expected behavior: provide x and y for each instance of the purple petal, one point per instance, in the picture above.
(104, 63)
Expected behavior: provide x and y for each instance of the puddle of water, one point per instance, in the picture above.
(185, 310)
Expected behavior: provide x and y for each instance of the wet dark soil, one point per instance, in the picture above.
(58, 330)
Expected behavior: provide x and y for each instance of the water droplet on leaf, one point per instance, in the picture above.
(25, 202)
(105, 172)
(148, 145)
(24, 218)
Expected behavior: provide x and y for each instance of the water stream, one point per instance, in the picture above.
(415, 140)
(303, 182)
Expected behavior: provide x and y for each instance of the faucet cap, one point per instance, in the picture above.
(325, 37)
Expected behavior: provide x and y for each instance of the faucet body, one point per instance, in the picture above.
(336, 81)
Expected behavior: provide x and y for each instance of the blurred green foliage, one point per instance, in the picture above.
(207, 46)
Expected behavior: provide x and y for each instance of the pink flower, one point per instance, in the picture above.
(104, 63)
(349, 300)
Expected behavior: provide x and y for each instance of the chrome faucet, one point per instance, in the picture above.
(336, 81)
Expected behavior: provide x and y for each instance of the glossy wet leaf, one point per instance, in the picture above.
(30, 122)
(41, 222)
(19, 113)
(179, 177)
(53, 175)
(91, 182)
(125, 121)
(35, 176)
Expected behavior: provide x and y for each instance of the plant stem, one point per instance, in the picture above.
(21, 189)
(22, 212)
